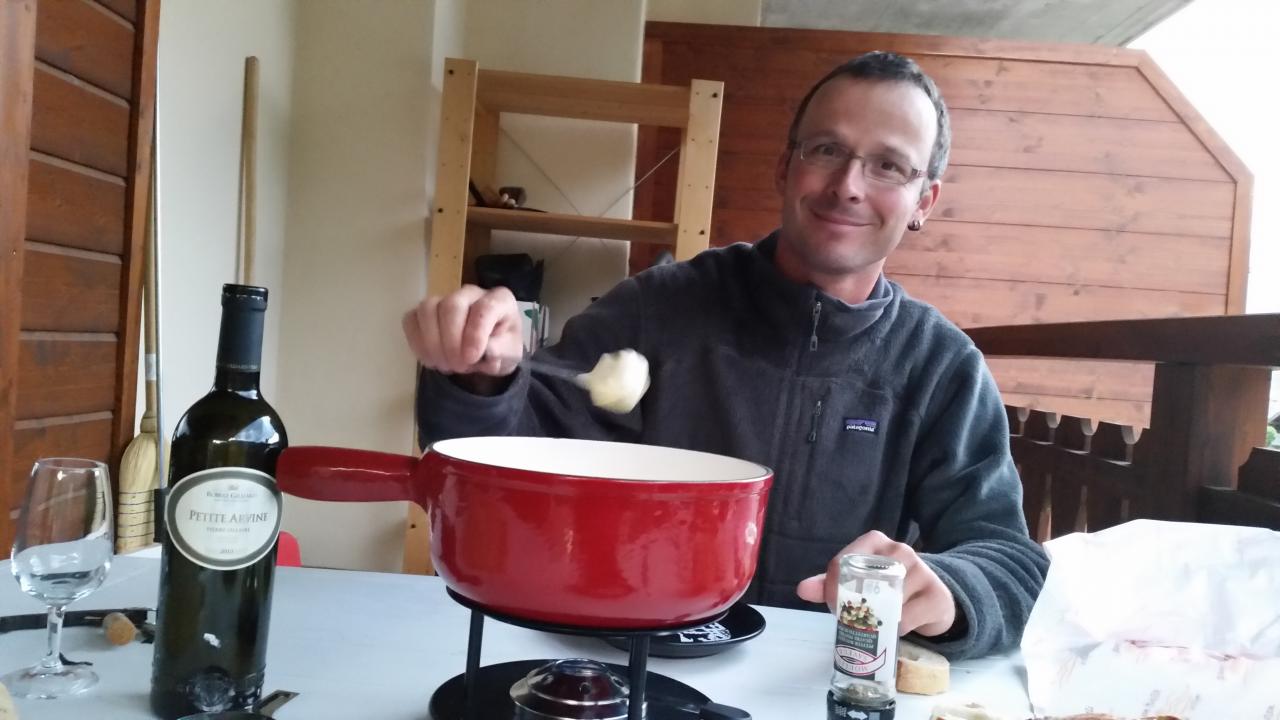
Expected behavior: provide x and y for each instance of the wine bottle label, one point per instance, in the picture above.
(223, 518)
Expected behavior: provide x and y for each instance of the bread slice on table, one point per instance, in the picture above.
(7, 710)
(1104, 716)
(920, 671)
(974, 711)
(971, 711)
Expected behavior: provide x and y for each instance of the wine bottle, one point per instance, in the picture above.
(221, 520)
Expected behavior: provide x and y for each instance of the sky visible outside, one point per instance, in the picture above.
(1222, 55)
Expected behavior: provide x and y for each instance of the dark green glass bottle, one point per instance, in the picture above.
(221, 520)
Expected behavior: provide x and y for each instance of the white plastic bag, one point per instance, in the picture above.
(1159, 618)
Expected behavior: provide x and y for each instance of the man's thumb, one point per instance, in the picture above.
(813, 589)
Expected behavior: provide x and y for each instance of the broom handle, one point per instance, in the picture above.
(156, 331)
(248, 172)
(148, 422)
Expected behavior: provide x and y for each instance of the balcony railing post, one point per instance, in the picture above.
(1204, 421)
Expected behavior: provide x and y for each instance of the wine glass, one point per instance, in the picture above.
(61, 553)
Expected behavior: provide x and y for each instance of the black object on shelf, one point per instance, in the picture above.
(517, 272)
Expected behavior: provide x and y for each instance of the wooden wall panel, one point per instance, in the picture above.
(1238, 281)
(1238, 274)
(1094, 408)
(70, 291)
(72, 206)
(1028, 140)
(85, 39)
(137, 189)
(1082, 185)
(778, 75)
(740, 225)
(65, 375)
(78, 82)
(1087, 201)
(126, 9)
(1085, 379)
(86, 436)
(643, 202)
(974, 303)
(17, 52)
(1042, 198)
(1067, 256)
(1101, 91)
(74, 121)
(1040, 141)
(1159, 206)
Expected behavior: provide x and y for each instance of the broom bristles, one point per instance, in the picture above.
(135, 516)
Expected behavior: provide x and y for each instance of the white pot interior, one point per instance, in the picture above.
(599, 459)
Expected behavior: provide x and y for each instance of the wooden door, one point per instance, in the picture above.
(77, 99)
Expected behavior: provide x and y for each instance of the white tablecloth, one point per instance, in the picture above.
(374, 646)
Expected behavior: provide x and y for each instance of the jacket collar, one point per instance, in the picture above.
(788, 305)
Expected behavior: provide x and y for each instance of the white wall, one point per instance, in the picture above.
(200, 91)
(363, 159)
(366, 104)
(721, 12)
(366, 107)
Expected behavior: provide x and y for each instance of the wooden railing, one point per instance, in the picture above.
(1208, 416)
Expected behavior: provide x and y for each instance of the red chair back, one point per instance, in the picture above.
(288, 554)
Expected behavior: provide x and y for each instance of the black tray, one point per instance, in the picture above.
(739, 625)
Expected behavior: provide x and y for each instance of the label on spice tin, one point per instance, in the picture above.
(867, 630)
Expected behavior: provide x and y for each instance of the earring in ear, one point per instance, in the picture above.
(915, 226)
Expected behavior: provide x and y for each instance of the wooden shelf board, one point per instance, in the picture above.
(500, 91)
(572, 225)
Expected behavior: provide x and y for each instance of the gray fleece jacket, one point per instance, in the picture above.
(876, 416)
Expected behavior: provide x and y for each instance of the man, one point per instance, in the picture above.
(879, 417)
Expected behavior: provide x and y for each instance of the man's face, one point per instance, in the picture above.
(837, 222)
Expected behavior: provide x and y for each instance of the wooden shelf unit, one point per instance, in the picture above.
(472, 101)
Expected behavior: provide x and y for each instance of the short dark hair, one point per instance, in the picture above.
(889, 67)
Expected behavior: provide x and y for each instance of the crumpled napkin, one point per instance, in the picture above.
(1156, 617)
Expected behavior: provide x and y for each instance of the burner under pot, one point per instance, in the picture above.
(496, 687)
(573, 689)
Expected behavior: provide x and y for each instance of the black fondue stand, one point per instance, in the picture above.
(484, 693)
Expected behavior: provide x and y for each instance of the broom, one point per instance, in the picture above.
(140, 465)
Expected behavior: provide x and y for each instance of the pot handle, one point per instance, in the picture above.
(328, 473)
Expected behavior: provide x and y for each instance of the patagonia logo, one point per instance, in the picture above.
(862, 425)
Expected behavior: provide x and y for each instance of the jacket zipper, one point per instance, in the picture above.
(813, 422)
(813, 332)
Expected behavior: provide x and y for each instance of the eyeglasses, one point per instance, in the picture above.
(829, 156)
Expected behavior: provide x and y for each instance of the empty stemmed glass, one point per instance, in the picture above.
(61, 553)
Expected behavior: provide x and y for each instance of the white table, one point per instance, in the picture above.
(375, 646)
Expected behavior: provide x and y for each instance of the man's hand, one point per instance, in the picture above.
(928, 607)
(470, 331)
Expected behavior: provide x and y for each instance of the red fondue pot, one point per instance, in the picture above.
(578, 532)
